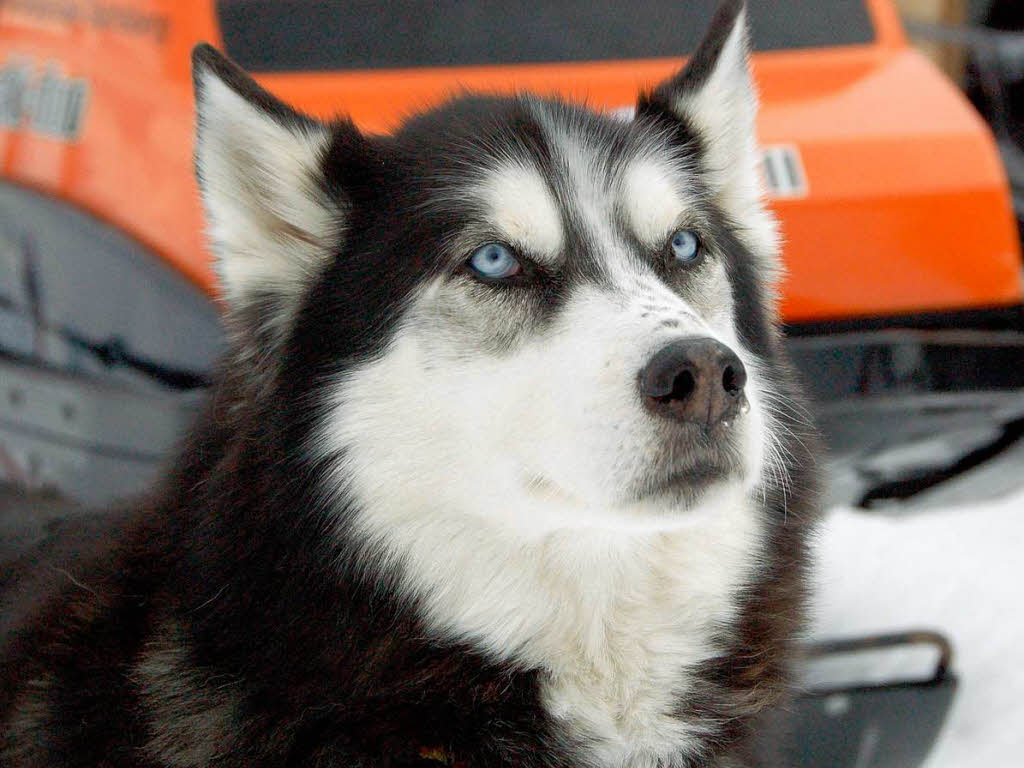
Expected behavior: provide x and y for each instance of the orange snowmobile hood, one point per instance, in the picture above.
(888, 185)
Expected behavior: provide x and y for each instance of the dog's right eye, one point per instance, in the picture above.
(494, 261)
(686, 247)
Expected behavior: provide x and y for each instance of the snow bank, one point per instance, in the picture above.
(959, 570)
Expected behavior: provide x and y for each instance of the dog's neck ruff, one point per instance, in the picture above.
(614, 621)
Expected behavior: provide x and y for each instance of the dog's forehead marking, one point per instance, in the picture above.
(520, 205)
(636, 180)
(650, 198)
(587, 184)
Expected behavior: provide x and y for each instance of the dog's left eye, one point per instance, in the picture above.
(495, 262)
(686, 247)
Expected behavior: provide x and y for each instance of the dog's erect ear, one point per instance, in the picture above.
(715, 98)
(272, 222)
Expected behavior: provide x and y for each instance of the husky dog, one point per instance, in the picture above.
(504, 466)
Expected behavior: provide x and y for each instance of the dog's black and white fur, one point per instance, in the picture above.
(427, 515)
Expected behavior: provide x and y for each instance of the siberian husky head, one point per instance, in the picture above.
(512, 308)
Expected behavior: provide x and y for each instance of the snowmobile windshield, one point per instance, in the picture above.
(324, 35)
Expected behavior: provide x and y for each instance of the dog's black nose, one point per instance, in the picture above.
(698, 380)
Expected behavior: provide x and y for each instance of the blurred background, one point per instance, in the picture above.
(893, 139)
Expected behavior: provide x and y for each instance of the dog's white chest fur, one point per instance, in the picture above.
(611, 618)
(619, 660)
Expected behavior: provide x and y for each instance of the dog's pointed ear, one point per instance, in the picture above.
(260, 165)
(714, 97)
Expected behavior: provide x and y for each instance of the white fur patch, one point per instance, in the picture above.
(651, 200)
(521, 205)
(269, 222)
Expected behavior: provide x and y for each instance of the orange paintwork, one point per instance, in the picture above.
(907, 207)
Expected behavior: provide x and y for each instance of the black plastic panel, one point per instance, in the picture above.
(892, 725)
(276, 35)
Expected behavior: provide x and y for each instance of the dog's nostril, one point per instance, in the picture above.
(730, 382)
(682, 387)
(734, 376)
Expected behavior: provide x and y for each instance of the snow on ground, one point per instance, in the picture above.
(958, 569)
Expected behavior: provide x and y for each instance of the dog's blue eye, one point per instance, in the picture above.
(686, 246)
(494, 261)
